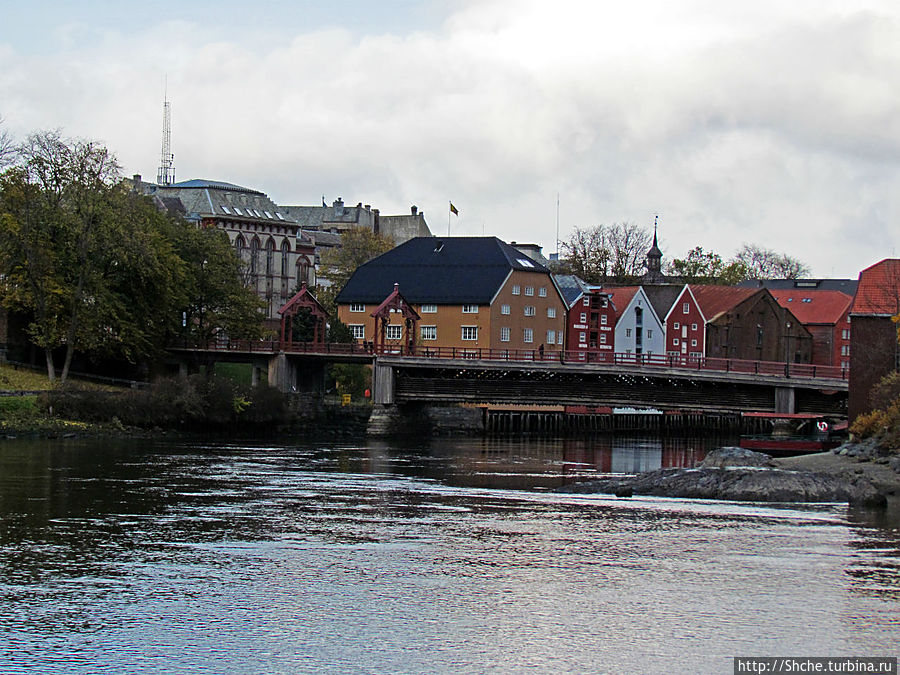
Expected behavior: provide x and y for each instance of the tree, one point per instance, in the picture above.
(358, 245)
(7, 147)
(607, 253)
(701, 266)
(763, 263)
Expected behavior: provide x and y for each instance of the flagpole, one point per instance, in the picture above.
(448, 218)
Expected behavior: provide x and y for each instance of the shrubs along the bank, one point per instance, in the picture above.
(194, 403)
(883, 423)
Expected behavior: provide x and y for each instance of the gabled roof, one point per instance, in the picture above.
(621, 296)
(662, 297)
(813, 306)
(572, 287)
(439, 270)
(714, 300)
(878, 292)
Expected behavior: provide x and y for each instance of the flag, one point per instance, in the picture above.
(453, 209)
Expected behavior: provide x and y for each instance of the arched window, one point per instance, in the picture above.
(254, 256)
(302, 269)
(285, 257)
(240, 245)
(270, 257)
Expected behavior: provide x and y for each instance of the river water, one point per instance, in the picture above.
(449, 556)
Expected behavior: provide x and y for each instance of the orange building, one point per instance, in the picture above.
(468, 292)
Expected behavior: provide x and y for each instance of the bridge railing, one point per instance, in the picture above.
(703, 363)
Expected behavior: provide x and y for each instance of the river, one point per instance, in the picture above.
(448, 556)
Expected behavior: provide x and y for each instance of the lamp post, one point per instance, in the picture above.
(787, 351)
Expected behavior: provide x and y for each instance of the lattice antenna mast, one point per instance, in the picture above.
(166, 174)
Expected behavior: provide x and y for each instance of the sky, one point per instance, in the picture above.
(768, 122)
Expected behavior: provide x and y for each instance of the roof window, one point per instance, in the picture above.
(225, 209)
(237, 210)
(268, 215)
(279, 216)
(524, 263)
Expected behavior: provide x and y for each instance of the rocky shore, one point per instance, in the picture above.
(742, 475)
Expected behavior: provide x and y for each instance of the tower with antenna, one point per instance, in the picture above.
(166, 173)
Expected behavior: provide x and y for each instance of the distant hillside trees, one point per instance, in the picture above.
(100, 269)
(750, 262)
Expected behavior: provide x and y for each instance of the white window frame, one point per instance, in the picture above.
(542, 291)
(469, 333)
(603, 319)
(504, 309)
(357, 307)
(393, 331)
(504, 334)
(470, 309)
(582, 338)
(529, 290)
(516, 289)
(551, 336)
(693, 326)
(527, 336)
(358, 330)
(428, 332)
(428, 309)
(676, 326)
(551, 312)
(530, 310)
(675, 341)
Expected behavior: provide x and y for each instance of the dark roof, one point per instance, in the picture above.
(439, 270)
(571, 287)
(847, 286)
(662, 297)
(217, 184)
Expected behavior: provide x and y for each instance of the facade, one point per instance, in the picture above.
(339, 218)
(874, 350)
(639, 330)
(468, 292)
(826, 315)
(278, 258)
(590, 317)
(737, 323)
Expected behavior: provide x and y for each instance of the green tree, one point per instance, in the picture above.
(701, 266)
(358, 245)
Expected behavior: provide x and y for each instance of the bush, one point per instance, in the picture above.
(883, 423)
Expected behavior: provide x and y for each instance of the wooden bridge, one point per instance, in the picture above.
(534, 377)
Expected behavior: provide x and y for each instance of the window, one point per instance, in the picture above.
(268, 215)
(357, 307)
(583, 317)
(516, 289)
(603, 338)
(285, 258)
(254, 257)
(582, 338)
(429, 332)
(428, 309)
(527, 336)
(529, 290)
(551, 336)
(524, 263)
(237, 210)
(675, 341)
(559, 338)
(693, 343)
(603, 319)
(470, 309)
(393, 332)
(504, 309)
(845, 350)
(693, 326)
(696, 355)
(649, 333)
(504, 334)
(225, 209)
(686, 308)
(676, 325)
(551, 312)
(586, 302)
(529, 310)
(270, 257)
(627, 332)
(470, 332)
(542, 291)
(845, 334)
(359, 331)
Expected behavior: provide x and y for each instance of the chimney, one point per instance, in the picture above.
(338, 207)
(368, 207)
(136, 178)
(414, 209)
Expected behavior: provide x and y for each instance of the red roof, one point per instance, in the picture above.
(621, 296)
(813, 306)
(878, 291)
(714, 300)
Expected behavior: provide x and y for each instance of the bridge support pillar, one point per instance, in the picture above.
(383, 384)
(282, 374)
(785, 400)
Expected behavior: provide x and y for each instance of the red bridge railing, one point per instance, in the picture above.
(571, 357)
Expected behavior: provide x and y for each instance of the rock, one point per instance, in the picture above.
(624, 491)
(894, 463)
(733, 456)
(742, 484)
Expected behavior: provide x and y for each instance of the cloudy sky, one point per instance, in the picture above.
(774, 123)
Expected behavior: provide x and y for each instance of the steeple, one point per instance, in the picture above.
(654, 273)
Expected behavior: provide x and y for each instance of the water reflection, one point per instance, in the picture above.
(451, 556)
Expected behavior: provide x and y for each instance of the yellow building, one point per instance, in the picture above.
(469, 293)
